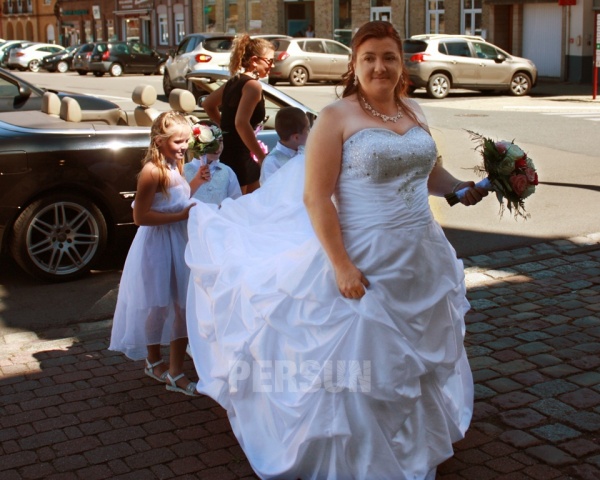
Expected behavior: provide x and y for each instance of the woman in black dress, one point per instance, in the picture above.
(239, 107)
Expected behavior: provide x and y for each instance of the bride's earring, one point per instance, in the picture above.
(355, 82)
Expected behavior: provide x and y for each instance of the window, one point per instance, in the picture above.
(485, 50)
(315, 46)
(435, 17)
(231, 16)
(163, 29)
(253, 15)
(179, 27)
(471, 17)
(209, 15)
(335, 49)
(343, 17)
(458, 48)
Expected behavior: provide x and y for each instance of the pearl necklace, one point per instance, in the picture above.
(375, 113)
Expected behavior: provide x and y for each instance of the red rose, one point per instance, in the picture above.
(521, 162)
(196, 130)
(532, 176)
(519, 184)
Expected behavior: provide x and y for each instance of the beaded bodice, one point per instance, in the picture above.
(385, 173)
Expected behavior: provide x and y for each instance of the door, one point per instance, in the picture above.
(339, 58)
(317, 59)
(182, 60)
(491, 72)
(458, 59)
(143, 58)
(542, 32)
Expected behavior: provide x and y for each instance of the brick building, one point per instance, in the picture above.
(559, 38)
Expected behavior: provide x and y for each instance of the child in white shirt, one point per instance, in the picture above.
(292, 126)
(206, 146)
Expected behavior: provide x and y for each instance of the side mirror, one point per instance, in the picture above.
(24, 91)
(201, 99)
(499, 58)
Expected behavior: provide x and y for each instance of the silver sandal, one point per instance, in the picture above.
(149, 370)
(190, 389)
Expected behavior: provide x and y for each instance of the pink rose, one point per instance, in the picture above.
(532, 176)
(519, 184)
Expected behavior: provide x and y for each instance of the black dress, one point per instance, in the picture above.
(235, 152)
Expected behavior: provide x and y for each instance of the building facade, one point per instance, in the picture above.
(558, 37)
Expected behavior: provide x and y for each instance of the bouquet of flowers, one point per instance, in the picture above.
(262, 146)
(206, 138)
(510, 173)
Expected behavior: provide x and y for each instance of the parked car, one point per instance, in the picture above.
(206, 81)
(300, 60)
(343, 35)
(66, 188)
(203, 51)
(196, 51)
(81, 58)
(442, 62)
(117, 58)
(17, 94)
(29, 57)
(60, 61)
(8, 46)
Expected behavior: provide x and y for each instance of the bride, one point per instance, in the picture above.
(326, 310)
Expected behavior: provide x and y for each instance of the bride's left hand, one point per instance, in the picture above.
(351, 282)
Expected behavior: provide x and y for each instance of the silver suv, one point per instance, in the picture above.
(441, 62)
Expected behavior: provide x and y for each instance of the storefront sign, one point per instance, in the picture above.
(563, 3)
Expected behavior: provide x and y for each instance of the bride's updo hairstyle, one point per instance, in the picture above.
(378, 29)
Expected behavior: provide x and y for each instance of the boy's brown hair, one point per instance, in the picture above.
(289, 121)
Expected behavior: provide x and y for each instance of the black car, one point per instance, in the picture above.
(117, 58)
(65, 190)
(18, 95)
(81, 58)
(61, 61)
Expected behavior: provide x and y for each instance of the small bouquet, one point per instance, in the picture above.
(510, 173)
(262, 146)
(206, 138)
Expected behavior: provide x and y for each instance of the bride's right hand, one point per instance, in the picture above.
(351, 282)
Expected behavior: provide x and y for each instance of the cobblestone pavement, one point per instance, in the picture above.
(69, 409)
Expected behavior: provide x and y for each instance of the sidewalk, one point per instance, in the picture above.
(565, 91)
(69, 409)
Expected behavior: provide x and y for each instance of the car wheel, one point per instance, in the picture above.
(98, 74)
(520, 84)
(115, 70)
(161, 69)
(59, 237)
(62, 67)
(82, 72)
(438, 86)
(167, 87)
(298, 76)
(34, 66)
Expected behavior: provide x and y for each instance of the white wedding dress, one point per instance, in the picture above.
(317, 386)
